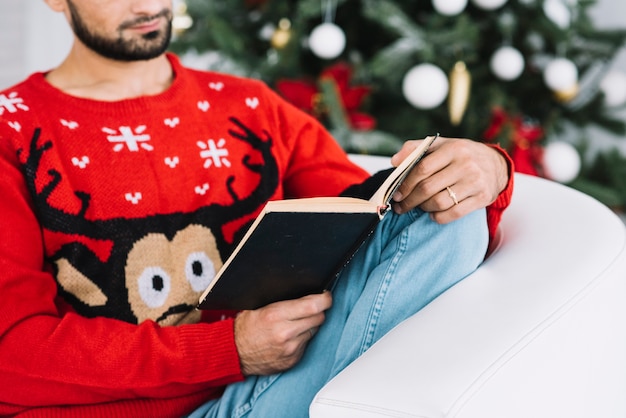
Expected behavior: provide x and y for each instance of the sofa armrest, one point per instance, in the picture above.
(539, 330)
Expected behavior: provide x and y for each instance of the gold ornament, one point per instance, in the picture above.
(181, 21)
(567, 95)
(460, 86)
(282, 34)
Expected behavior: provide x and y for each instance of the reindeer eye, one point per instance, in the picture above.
(154, 286)
(199, 270)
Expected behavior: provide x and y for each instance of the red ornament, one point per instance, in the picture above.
(301, 93)
(305, 95)
(524, 137)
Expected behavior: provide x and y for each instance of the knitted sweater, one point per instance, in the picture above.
(114, 216)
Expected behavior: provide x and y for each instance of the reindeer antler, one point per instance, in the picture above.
(268, 170)
(253, 139)
(52, 218)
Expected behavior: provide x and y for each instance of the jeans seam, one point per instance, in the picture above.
(374, 315)
(245, 408)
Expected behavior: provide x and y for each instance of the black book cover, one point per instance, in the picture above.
(290, 255)
(296, 247)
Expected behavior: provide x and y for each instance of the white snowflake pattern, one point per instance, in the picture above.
(133, 198)
(172, 122)
(202, 190)
(80, 162)
(125, 136)
(204, 105)
(217, 86)
(16, 125)
(70, 124)
(214, 153)
(172, 162)
(252, 102)
(12, 103)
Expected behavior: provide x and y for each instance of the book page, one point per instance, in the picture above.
(320, 204)
(382, 197)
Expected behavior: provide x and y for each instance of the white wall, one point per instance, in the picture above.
(10, 36)
(32, 38)
(47, 39)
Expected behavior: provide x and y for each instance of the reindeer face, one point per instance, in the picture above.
(163, 276)
(158, 265)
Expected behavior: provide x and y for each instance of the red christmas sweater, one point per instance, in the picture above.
(113, 219)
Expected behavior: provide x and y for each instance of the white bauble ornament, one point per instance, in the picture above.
(327, 40)
(613, 85)
(489, 4)
(449, 7)
(561, 162)
(558, 12)
(507, 63)
(561, 74)
(425, 86)
(266, 31)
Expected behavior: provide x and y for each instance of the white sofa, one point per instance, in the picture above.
(538, 331)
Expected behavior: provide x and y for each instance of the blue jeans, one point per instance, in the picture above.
(405, 264)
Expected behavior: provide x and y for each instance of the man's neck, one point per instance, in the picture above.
(91, 76)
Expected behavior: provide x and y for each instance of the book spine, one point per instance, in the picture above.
(370, 230)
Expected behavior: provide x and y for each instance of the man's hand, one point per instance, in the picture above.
(273, 338)
(454, 170)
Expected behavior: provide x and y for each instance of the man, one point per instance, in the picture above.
(127, 179)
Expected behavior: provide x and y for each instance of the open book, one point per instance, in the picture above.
(297, 247)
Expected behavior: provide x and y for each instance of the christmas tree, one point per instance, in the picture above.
(376, 72)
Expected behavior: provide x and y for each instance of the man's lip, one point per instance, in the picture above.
(147, 26)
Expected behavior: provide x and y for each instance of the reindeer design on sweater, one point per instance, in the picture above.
(158, 265)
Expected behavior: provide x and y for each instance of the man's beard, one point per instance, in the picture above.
(151, 45)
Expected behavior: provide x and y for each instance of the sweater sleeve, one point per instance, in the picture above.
(316, 165)
(50, 357)
(497, 207)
